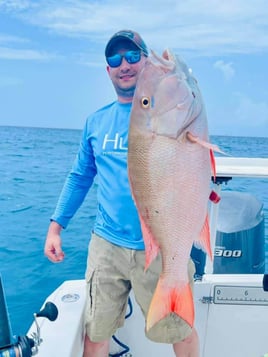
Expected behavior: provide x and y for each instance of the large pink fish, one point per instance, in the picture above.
(169, 163)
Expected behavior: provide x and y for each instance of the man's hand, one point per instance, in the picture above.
(52, 248)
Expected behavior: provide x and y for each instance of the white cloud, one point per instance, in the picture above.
(205, 27)
(252, 113)
(15, 5)
(23, 54)
(226, 68)
(12, 39)
(90, 60)
(247, 117)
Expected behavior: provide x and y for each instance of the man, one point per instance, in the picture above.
(116, 251)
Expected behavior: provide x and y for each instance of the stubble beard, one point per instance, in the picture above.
(125, 92)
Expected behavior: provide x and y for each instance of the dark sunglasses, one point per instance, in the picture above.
(130, 56)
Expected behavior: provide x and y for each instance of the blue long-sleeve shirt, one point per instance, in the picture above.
(103, 151)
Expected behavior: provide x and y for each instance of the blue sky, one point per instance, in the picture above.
(52, 67)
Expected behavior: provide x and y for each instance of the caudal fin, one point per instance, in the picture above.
(178, 300)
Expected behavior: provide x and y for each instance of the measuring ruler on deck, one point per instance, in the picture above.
(239, 295)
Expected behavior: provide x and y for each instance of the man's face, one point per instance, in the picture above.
(124, 77)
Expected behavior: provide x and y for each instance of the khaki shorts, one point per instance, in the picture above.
(111, 273)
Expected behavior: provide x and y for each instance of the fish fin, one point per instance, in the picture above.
(151, 246)
(170, 300)
(195, 139)
(204, 239)
(212, 147)
(213, 164)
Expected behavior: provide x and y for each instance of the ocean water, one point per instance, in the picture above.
(33, 165)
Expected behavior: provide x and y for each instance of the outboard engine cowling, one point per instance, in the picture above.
(240, 239)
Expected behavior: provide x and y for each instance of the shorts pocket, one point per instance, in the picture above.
(92, 283)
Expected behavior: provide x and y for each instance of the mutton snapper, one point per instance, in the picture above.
(169, 165)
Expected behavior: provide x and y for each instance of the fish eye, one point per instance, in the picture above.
(145, 102)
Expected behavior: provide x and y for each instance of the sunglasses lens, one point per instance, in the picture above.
(133, 56)
(115, 60)
(130, 56)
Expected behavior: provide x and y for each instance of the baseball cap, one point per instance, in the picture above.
(129, 35)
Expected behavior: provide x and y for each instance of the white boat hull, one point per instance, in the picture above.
(65, 335)
(225, 327)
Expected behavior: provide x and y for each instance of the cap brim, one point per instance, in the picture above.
(113, 42)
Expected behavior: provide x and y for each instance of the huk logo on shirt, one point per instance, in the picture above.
(114, 144)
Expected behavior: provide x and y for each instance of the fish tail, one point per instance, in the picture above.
(178, 300)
